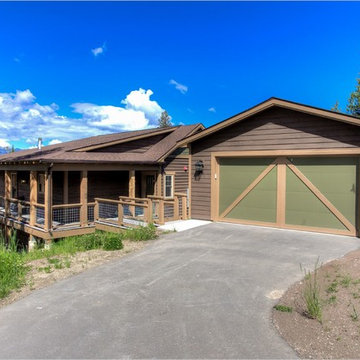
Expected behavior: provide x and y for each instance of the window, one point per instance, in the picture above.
(41, 183)
(169, 186)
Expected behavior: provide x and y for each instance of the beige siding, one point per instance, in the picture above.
(274, 129)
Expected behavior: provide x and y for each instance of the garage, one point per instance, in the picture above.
(305, 193)
(280, 164)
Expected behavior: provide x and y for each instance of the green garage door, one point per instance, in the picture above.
(318, 193)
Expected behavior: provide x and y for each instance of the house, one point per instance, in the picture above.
(278, 164)
(111, 180)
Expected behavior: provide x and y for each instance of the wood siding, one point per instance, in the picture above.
(136, 146)
(176, 165)
(273, 129)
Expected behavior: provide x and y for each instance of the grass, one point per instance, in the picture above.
(13, 266)
(311, 293)
(283, 308)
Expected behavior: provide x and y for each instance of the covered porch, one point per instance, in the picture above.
(65, 199)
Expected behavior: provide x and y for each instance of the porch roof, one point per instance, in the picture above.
(77, 151)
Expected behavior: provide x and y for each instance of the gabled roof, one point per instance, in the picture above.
(273, 102)
(81, 151)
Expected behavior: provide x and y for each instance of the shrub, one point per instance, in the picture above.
(312, 293)
(112, 242)
(142, 233)
(88, 242)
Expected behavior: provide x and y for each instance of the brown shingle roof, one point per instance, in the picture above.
(70, 152)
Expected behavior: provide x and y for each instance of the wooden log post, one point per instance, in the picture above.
(19, 210)
(7, 192)
(132, 190)
(120, 214)
(161, 212)
(149, 211)
(33, 196)
(96, 211)
(176, 208)
(184, 207)
(84, 198)
(48, 201)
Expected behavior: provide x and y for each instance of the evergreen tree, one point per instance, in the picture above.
(164, 120)
(353, 106)
(336, 107)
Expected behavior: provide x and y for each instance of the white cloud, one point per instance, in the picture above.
(4, 143)
(212, 109)
(23, 119)
(54, 141)
(99, 50)
(181, 87)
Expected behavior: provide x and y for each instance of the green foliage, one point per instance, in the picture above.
(165, 120)
(332, 299)
(142, 233)
(283, 308)
(112, 242)
(353, 106)
(333, 287)
(312, 293)
(12, 268)
(346, 280)
(336, 107)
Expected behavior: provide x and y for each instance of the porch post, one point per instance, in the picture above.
(7, 191)
(132, 190)
(131, 183)
(33, 196)
(66, 188)
(48, 200)
(84, 198)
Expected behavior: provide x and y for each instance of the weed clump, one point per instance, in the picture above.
(283, 308)
(311, 293)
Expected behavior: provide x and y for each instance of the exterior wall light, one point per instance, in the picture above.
(199, 167)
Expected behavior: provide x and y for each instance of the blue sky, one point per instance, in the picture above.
(69, 70)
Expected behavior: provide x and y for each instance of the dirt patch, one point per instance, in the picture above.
(43, 273)
(338, 336)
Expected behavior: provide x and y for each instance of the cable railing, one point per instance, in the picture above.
(66, 214)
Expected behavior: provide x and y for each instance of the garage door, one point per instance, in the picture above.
(317, 193)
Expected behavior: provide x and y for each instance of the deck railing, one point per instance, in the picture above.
(124, 211)
(67, 214)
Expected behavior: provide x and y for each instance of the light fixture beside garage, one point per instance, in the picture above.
(199, 166)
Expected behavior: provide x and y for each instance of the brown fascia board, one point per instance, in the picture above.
(129, 139)
(272, 102)
(163, 157)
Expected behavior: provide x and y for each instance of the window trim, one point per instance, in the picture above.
(172, 175)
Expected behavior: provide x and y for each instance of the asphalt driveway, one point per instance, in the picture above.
(202, 293)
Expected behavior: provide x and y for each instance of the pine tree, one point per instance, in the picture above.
(353, 106)
(164, 120)
(336, 107)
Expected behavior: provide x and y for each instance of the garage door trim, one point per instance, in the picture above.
(281, 163)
